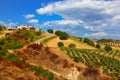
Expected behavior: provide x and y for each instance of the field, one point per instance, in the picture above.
(80, 45)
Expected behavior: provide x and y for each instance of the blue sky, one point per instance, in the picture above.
(85, 18)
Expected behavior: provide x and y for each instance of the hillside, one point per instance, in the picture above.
(35, 55)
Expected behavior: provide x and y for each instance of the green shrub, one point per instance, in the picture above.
(18, 32)
(98, 46)
(42, 72)
(71, 45)
(60, 44)
(38, 33)
(62, 35)
(50, 30)
(2, 42)
(107, 48)
(88, 41)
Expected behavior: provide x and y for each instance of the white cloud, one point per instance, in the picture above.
(29, 16)
(97, 15)
(9, 25)
(98, 34)
(2, 23)
(33, 21)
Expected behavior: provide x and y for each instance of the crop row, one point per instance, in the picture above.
(109, 65)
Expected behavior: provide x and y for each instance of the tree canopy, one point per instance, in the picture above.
(62, 35)
(50, 30)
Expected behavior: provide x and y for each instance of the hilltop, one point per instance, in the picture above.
(30, 54)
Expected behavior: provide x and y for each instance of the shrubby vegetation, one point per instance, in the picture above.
(110, 65)
(30, 35)
(2, 28)
(42, 72)
(88, 41)
(71, 45)
(11, 43)
(62, 35)
(108, 48)
(50, 30)
(60, 44)
(98, 46)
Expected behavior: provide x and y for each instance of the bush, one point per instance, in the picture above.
(60, 44)
(2, 28)
(107, 48)
(50, 30)
(38, 33)
(2, 42)
(98, 46)
(88, 41)
(71, 45)
(62, 35)
(18, 32)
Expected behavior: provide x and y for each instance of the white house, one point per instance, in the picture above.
(24, 27)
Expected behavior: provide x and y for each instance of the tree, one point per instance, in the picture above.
(38, 33)
(60, 44)
(88, 41)
(50, 30)
(71, 45)
(62, 35)
(2, 28)
(107, 48)
(98, 46)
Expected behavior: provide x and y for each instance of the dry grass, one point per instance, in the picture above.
(53, 43)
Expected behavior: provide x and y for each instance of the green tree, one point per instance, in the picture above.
(60, 44)
(50, 30)
(38, 33)
(62, 35)
(107, 48)
(71, 45)
(98, 46)
(2, 28)
(88, 41)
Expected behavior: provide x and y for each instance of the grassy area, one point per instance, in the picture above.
(38, 70)
(30, 35)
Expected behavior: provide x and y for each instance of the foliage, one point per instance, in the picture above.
(10, 43)
(38, 33)
(50, 30)
(60, 44)
(62, 35)
(2, 28)
(108, 48)
(71, 45)
(110, 65)
(30, 35)
(98, 46)
(42, 72)
(88, 41)
(11, 57)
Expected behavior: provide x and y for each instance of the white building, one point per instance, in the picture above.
(24, 27)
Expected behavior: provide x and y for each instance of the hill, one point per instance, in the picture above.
(35, 55)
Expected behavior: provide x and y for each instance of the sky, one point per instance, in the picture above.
(84, 18)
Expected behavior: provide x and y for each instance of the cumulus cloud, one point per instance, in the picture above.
(29, 16)
(33, 21)
(100, 16)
